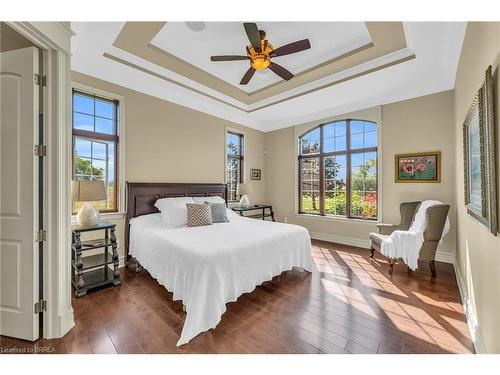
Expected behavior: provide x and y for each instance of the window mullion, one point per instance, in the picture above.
(117, 158)
(93, 115)
(348, 170)
(300, 186)
(321, 175)
(92, 160)
(241, 169)
(107, 174)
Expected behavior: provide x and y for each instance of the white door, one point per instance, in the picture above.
(18, 193)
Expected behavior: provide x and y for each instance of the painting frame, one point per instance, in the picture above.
(482, 208)
(428, 156)
(255, 174)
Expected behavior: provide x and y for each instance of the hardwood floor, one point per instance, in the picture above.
(348, 304)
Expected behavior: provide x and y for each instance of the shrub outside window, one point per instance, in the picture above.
(338, 170)
(95, 145)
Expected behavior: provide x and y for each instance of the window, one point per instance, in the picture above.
(234, 164)
(95, 145)
(338, 170)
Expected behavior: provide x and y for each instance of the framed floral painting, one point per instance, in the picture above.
(479, 158)
(418, 167)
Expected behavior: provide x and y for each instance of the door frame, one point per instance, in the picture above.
(54, 38)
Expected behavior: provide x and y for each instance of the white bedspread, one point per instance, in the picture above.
(406, 244)
(207, 267)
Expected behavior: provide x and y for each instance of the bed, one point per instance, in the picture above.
(207, 267)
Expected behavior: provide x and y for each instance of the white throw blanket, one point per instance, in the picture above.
(406, 244)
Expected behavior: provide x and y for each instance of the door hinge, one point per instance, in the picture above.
(40, 235)
(40, 150)
(40, 80)
(40, 306)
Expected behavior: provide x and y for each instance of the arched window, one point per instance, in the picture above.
(338, 170)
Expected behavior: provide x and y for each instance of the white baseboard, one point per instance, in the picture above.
(445, 257)
(477, 340)
(441, 256)
(64, 322)
(67, 322)
(365, 244)
(121, 261)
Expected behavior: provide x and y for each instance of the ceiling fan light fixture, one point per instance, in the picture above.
(260, 52)
(260, 62)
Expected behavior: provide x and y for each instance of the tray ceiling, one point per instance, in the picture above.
(350, 66)
(196, 42)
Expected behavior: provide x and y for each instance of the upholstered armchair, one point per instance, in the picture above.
(436, 219)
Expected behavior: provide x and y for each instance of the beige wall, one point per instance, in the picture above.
(478, 251)
(422, 124)
(165, 142)
(415, 125)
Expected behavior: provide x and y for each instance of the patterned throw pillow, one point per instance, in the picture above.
(198, 214)
(219, 212)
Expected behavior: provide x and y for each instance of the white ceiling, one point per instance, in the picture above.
(196, 42)
(436, 45)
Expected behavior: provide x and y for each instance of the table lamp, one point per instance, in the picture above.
(88, 192)
(244, 189)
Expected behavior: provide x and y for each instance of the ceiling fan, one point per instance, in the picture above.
(260, 52)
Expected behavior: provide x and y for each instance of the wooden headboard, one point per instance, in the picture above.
(141, 197)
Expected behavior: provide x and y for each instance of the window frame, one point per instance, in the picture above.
(97, 136)
(348, 152)
(240, 158)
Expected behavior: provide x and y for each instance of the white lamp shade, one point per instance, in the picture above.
(88, 191)
(243, 190)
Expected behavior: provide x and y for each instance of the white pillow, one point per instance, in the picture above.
(214, 199)
(173, 211)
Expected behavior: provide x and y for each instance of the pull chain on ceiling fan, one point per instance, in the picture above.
(260, 52)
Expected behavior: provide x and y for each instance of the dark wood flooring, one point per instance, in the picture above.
(348, 304)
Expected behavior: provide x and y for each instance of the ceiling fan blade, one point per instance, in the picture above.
(248, 75)
(228, 58)
(282, 72)
(287, 49)
(253, 35)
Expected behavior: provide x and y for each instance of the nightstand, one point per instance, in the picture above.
(93, 271)
(256, 207)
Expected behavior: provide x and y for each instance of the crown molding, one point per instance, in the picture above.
(136, 37)
(383, 62)
(135, 62)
